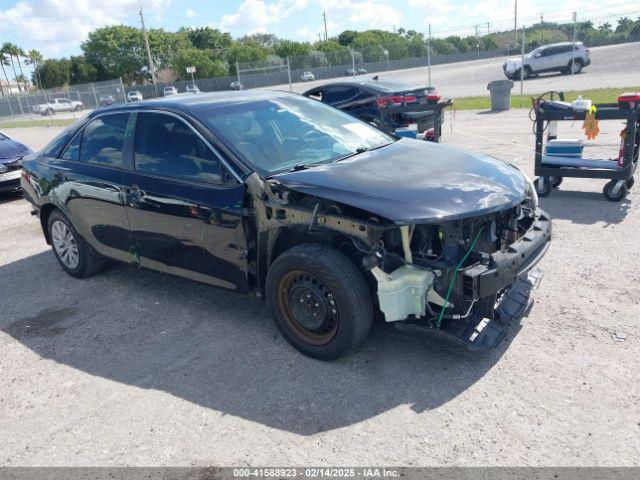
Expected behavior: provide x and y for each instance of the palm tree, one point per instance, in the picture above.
(35, 58)
(5, 63)
(11, 50)
(605, 28)
(20, 53)
(624, 24)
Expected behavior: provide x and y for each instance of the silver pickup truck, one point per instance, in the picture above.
(58, 105)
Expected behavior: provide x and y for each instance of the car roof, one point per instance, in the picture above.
(561, 44)
(189, 103)
(380, 86)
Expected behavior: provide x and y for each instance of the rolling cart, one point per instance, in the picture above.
(555, 160)
(421, 114)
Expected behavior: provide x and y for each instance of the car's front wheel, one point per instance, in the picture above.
(75, 255)
(320, 301)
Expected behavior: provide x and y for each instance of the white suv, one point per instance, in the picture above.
(564, 57)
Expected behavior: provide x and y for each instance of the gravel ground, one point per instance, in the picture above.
(133, 367)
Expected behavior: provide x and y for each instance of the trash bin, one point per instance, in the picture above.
(500, 94)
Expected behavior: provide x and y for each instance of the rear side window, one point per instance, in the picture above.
(166, 146)
(103, 140)
(339, 94)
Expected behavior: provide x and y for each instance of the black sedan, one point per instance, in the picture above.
(327, 217)
(11, 154)
(396, 107)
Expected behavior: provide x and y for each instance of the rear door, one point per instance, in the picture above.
(88, 177)
(184, 206)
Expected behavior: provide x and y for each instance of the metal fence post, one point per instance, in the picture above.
(353, 62)
(522, 69)
(238, 72)
(124, 97)
(429, 56)
(95, 95)
(289, 74)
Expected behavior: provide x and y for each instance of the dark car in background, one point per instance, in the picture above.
(11, 154)
(105, 100)
(396, 107)
(328, 218)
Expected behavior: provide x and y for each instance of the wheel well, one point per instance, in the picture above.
(290, 237)
(45, 212)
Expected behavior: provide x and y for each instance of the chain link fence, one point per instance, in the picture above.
(455, 75)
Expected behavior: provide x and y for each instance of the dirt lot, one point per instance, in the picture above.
(133, 367)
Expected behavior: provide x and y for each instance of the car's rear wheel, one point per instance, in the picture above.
(75, 255)
(575, 66)
(320, 301)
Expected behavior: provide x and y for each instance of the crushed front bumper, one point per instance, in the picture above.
(500, 289)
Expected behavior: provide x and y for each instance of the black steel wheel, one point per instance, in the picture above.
(320, 301)
(615, 192)
(543, 188)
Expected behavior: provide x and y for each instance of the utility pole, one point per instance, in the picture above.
(146, 45)
(542, 28)
(324, 18)
(515, 24)
(477, 40)
(488, 28)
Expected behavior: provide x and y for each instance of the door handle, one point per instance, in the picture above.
(134, 195)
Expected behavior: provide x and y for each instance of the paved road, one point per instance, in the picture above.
(612, 66)
(133, 367)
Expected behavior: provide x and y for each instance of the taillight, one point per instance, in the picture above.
(395, 100)
(433, 96)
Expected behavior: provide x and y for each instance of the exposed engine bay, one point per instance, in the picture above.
(452, 276)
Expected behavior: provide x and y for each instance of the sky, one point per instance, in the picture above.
(58, 27)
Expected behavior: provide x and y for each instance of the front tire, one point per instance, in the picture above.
(74, 254)
(575, 66)
(320, 301)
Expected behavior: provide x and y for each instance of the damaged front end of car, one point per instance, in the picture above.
(464, 276)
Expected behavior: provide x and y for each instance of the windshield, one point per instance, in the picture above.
(285, 132)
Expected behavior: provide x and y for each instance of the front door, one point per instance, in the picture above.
(185, 211)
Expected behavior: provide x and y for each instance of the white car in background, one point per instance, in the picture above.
(134, 96)
(566, 57)
(307, 77)
(192, 88)
(58, 105)
(170, 90)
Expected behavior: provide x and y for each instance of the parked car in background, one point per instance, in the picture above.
(236, 86)
(566, 57)
(361, 70)
(307, 77)
(11, 154)
(170, 90)
(134, 96)
(58, 105)
(192, 88)
(104, 100)
(351, 72)
(389, 105)
(325, 216)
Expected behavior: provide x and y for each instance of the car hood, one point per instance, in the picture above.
(10, 149)
(413, 181)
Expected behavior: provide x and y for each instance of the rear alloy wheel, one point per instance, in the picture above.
(320, 301)
(75, 255)
(575, 66)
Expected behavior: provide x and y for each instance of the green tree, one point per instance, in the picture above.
(244, 52)
(440, 46)
(289, 48)
(80, 71)
(115, 51)
(55, 73)
(9, 49)
(624, 25)
(265, 40)
(347, 38)
(207, 38)
(201, 59)
(605, 28)
(35, 58)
